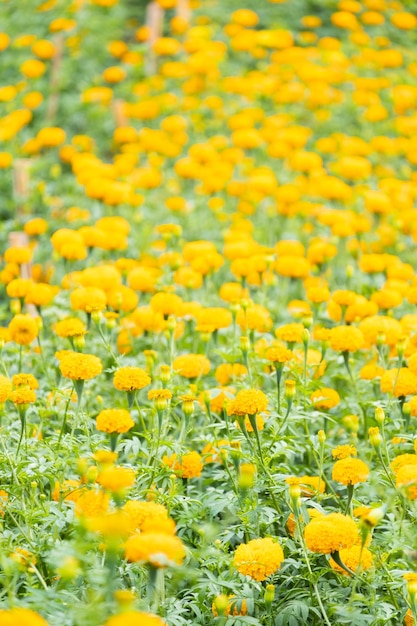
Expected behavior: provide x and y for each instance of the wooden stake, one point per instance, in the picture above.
(53, 102)
(184, 9)
(154, 21)
(21, 178)
(119, 115)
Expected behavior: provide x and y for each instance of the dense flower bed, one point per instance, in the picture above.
(208, 325)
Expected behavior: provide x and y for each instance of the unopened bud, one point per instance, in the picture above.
(269, 594)
(380, 339)
(401, 346)
(350, 270)
(96, 316)
(221, 603)
(305, 337)
(165, 373)
(379, 415)
(79, 342)
(289, 389)
(247, 474)
(70, 568)
(91, 473)
(244, 344)
(295, 494)
(171, 323)
(375, 437)
(321, 436)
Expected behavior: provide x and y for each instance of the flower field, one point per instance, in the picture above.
(208, 322)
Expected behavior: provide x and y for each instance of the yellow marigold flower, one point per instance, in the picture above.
(325, 398)
(406, 476)
(371, 370)
(25, 380)
(405, 383)
(408, 618)
(114, 421)
(248, 402)
(105, 457)
(77, 366)
(112, 525)
(291, 333)
(5, 389)
(158, 549)
(403, 459)
(255, 317)
(130, 378)
(292, 266)
(23, 329)
(278, 354)
(145, 513)
(116, 478)
(92, 503)
(23, 395)
(41, 294)
(310, 485)
(354, 558)
(19, 287)
(70, 327)
(330, 533)
(166, 303)
(191, 365)
(343, 452)
(133, 618)
(346, 339)
(190, 465)
(375, 325)
(23, 617)
(349, 471)
(216, 316)
(228, 371)
(88, 299)
(18, 254)
(259, 558)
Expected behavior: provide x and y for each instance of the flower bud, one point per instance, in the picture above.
(295, 494)
(70, 568)
(171, 323)
(221, 603)
(380, 339)
(244, 344)
(96, 316)
(124, 597)
(79, 342)
(401, 346)
(247, 475)
(289, 389)
(305, 337)
(165, 373)
(350, 270)
(375, 436)
(269, 594)
(379, 415)
(321, 436)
